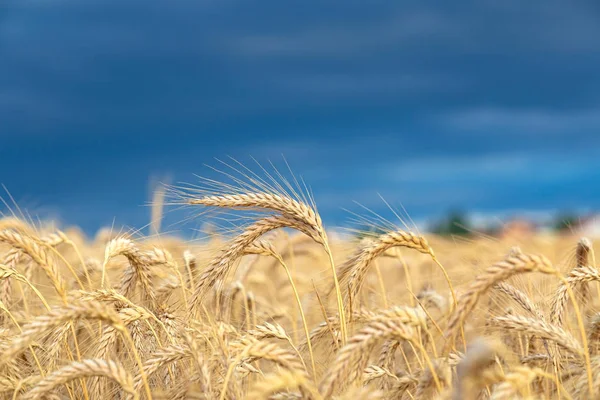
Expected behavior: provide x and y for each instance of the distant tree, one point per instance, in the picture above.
(454, 224)
(565, 221)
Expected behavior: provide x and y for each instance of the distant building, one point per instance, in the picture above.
(588, 226)
(517, 228)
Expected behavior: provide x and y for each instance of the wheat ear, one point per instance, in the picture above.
(57, 317)
(160, 358)
(498, 272)
(350, 357)
(539, 328)
(520, 298)
(268, 201)
(85, 368)
(38, 254)
(220, 267)
(352, 273)
(577, 278)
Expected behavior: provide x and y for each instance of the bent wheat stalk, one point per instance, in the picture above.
(299, 216)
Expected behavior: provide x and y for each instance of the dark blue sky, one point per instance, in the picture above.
(484, 105)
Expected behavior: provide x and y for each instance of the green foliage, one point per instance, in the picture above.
(454, 224)
(565, 221)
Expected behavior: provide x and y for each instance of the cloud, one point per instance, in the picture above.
(345, 85)
(523, 121)
(520, 168)
(400, 29)
(470, 28)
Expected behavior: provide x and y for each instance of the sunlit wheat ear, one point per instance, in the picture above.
(7, 273)
(401, 314)
(57, 317)
(109, 296)
(16, 224)
(84, 369)
(201, 364)
(273, 330)
(163, 258)
(11, 259)
(538, 328)
(15, 386)
(350, 359)
(520, 298)
(496, 273)
(267, 201)
(138, 270)
(248, 350)
(269, 330)
(353, 271)
(221, 266)
(577, 280)
(373, 372)
(159, 359)
(108, 339)
(38, 254)
(90, 267)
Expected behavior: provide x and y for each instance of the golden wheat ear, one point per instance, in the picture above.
(496, 273)
(283, 206)
(84, 369)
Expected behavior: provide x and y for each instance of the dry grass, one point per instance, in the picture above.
(265, 313)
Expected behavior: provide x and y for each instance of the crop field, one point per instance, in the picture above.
(275, 306)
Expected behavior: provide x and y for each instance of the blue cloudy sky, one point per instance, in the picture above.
(482, 105)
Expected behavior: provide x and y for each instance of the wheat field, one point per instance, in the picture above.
(277, 308)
